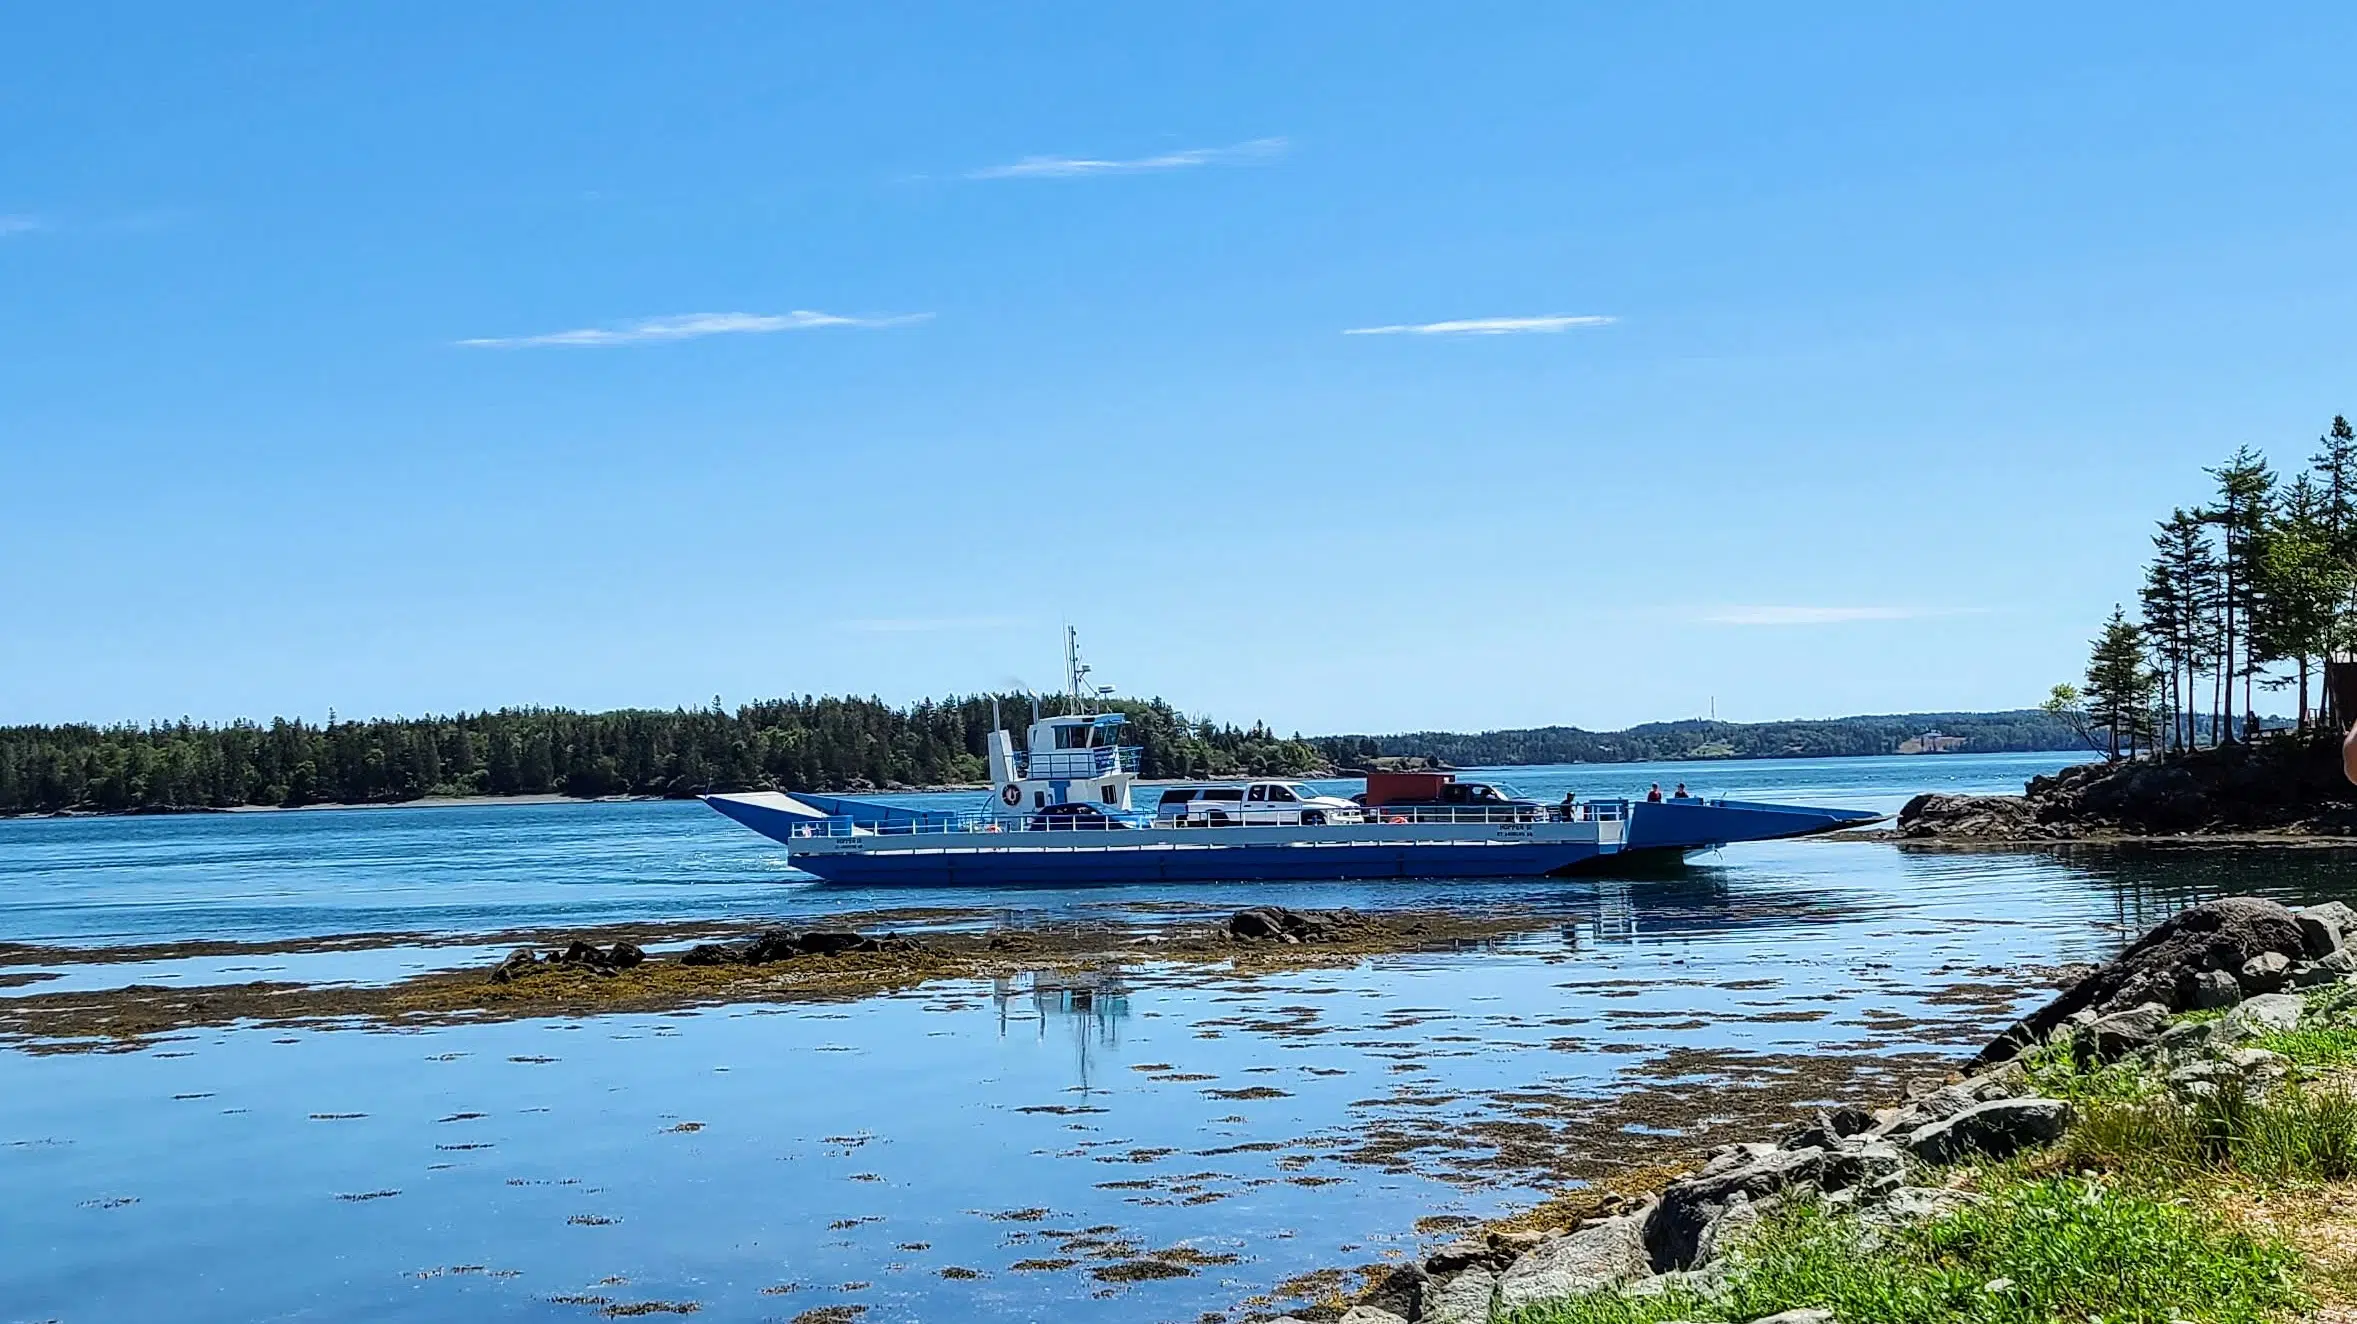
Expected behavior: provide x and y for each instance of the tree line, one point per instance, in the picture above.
(803, 744)
(2253, 589)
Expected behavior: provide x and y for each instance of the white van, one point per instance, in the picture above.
(1266, 804)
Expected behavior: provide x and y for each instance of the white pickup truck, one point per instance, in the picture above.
(1258, 804)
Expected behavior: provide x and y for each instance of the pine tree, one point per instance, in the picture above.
(2119, 686)
(2246, 489)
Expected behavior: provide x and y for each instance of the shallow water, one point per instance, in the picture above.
(554, 1168)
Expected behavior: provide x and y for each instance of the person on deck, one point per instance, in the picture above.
(1680, 793)
(1653, 797)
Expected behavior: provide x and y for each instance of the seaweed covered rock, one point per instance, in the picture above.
(576, 955)
(787, 945)
(2167, 966)
(1277, 924)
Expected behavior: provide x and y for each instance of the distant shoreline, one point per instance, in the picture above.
(558, 797)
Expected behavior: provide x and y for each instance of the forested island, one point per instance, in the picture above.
(812, 744)
(805, 744)
(1838, 737)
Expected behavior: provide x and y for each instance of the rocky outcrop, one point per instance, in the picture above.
(577, 955)
(787, 945)
(1279, 925)
(1975, 818)
(2169, 966)
(2277, 785)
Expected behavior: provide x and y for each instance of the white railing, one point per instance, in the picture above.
(1115, 820)
(1097, 761)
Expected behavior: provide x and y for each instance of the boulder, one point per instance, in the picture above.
(519, 963)
(1400, 1292)
(772, 945)
(1968, 818)
(2110, 1038)
(824, 942)
(2325, 929)
(1366, 1314)
(1274, 924)
(1673, 1235)
(2257, 1067)
(1734, 1225)
(1990, 1130)
(2211, 990)
(1804, 1315)
(2186, 1040)
(2005, 1081)
(713, 953)
(2331, 968)
(1606, 1254)
(1916, 1204)
(1464, 1253)
(2264, 973)
(1462, 1299)
(2269, 1013)
(1828, 1129)
(1867, 1167)
(625, 955)
(2163, 966)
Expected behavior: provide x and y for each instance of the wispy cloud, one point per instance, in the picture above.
(929, 624)
(688, 326)
(1483, 326)
(1067, 167)
(19, 224)
(1785, 615)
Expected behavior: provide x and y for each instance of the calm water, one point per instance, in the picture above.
(767, 1161)
(474, 869)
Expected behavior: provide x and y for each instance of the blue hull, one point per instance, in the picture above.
(1686, 825)
(1231, 864)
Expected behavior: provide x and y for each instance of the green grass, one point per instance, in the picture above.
(2054, 1073)
(2292, 1135)
(2314, 1045)
(2073, 1249)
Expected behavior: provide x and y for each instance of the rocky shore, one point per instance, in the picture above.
(2185, 1105)
(2281, 787)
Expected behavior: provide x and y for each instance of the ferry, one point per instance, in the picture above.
(1060, 812)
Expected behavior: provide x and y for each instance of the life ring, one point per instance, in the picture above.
(1013, 795)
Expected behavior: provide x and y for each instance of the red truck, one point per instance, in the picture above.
(1440, 797)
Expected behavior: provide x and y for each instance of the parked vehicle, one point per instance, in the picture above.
(1074, 818)
(1440, 797)
(1266, 804)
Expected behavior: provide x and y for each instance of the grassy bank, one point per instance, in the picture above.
(2215, 1183)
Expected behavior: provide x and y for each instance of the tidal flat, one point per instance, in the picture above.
(1084, 1129)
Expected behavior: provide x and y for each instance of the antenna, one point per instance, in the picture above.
(1076, 675)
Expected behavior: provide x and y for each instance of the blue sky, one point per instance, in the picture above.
(1805, 361)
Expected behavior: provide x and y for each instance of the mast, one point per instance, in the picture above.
(1075, 673)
